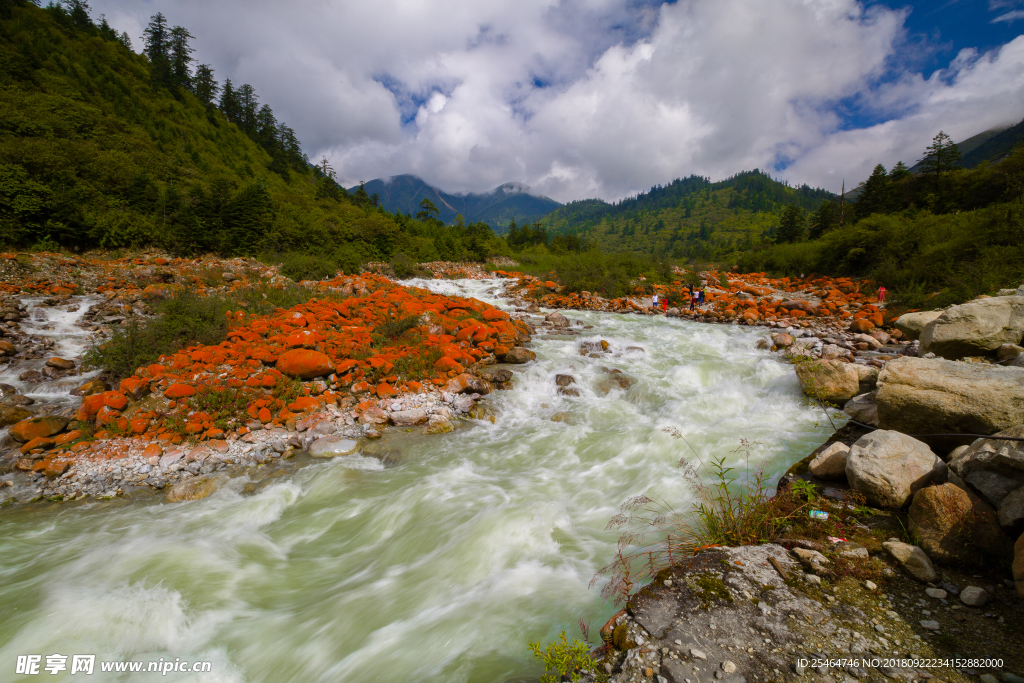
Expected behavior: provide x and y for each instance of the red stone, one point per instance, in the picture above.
(305, 363)
(176, 391)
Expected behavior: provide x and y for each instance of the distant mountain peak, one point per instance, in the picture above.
(514, 188)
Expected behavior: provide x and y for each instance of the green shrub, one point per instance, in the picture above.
(403, 266)
(300, 267)
(566, 659)
(183, 320)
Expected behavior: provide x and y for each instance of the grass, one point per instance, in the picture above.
(182, 320)
(611, 275)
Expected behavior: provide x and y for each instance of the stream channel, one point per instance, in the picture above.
(424, 558)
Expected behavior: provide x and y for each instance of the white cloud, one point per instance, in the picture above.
(599, 98)
(1010, 16)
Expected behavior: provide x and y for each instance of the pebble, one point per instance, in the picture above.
(936, 593)
(972, 596)
(728, 667)
(930, 625)
(697, 654)
(870, 585)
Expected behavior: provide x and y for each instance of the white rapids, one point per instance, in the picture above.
(428, 558)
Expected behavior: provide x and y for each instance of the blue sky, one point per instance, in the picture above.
(604, 98)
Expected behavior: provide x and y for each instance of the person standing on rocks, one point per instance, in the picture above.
(654, 302)
(700, 301)
(664, 305)
(881, 294)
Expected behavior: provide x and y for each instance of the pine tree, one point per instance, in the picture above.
(157, 43)
(266, 127)
(823, 220)
(941, 156)
(876, 197)
(248, 106)
(229, 105)
(791, 225)
(78, 10)
(180, 57)
(427, 209)
(204, 86)
(899, 172)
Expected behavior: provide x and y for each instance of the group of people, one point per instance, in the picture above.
(695, 295)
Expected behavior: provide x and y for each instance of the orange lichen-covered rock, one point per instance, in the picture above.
(385, 390)
(115, 400)
(305, 363)
(36, 427)
(134, 387)
(303, 403)
(43, 442)
(861, 325)
(176, 391)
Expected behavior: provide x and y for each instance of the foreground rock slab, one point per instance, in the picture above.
(975, 328)
(932, 396)
(889, 467)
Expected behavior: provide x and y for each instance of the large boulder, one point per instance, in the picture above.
(409, 418)
(830, 463)
(305, 363)
(889, 467)
(518, 354)
(195, 488)
(1011, 510)
(953, 528)
(975, 328)
(12, 414)
(912, 559)
(829, 380)
(466, 383)
(333, 446)
(994, 469)
(36, 427)
(913, 324)
(935, 396)
(863, 409)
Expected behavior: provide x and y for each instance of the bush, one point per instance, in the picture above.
(182, 320)
(566, 660)
(305, 266)
(611, 275)
(403, 266)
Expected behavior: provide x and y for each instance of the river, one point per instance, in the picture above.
(431, 558)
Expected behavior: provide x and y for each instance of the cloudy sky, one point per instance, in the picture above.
(604, 98)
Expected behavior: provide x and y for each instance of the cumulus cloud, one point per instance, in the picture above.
(598, 98)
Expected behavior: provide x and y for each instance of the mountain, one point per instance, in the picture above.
(103, 147)
(994, 148)
(403, 193)
(690, 217)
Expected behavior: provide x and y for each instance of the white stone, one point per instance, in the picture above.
(830, 463)
(972, 596)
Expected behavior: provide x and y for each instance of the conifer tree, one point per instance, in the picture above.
(248, 106)
(157, 42)
(824, 219)
(899, 172)
(791, 226)
(941, 156)
(204, 86)
(78, 10)
(876, 197)
(229, 102)
(180, 57)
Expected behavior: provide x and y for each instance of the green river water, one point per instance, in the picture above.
(437, 563)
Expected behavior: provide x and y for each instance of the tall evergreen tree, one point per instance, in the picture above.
(157, 43)
(899, 172)
(941, 156)
(266, 127)
(248, 106)
(229, 104)
(876, 197)
(824, 219)
(78, 10)
(180, 57)
(791, 225)
(204, 85)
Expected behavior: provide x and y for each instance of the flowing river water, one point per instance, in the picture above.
(436, 558)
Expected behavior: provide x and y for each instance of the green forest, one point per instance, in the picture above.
(940, 236)
(689, 218)
(103, 147)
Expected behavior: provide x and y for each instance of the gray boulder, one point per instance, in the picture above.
(518, 354)
(1011, 511)
(332, 446)
(975, 328)
(889, 467)
(931, 396)
(830, 463)
(408, 418)
(863, 409)
(912, 559)
(829, 380)
(913, 324)
(993, 468)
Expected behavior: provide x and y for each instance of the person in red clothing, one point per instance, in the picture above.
(881, 294)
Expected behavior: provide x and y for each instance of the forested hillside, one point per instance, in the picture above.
(941, 236)
(688, 218)
(102, 147)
